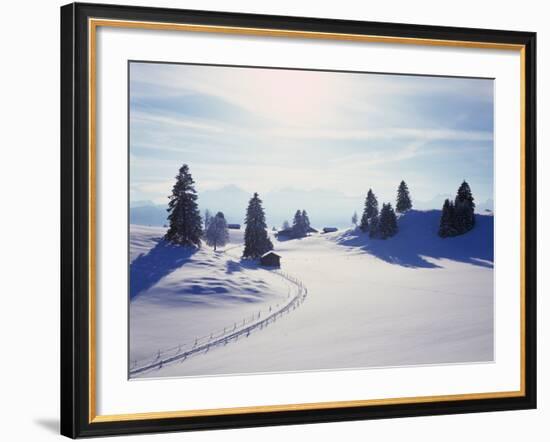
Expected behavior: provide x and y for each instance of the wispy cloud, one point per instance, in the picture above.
(390, 133)
(261, 128)
(138, 118)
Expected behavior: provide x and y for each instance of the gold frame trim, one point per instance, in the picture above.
(93, 24)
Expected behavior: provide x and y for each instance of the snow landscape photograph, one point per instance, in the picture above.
(285, 220)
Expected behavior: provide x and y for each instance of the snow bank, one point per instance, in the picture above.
(178, 294)
(417, 240)
(412, 299)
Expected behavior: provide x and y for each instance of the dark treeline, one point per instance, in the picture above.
(458, 217)
(301, 226)
(382, 224)
(186, 227)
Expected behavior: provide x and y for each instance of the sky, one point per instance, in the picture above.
(268, 130)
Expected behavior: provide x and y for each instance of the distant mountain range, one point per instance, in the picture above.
(324, 207)
(437, 201)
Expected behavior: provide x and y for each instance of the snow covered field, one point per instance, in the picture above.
(412, 299)
(184, 296)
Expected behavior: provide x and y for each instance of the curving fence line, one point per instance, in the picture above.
(220, 337)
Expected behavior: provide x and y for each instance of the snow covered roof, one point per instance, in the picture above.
(271, 252)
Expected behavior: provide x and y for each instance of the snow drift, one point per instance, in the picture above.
(412, 299)
(417, 240)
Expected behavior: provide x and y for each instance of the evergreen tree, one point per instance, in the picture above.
(373, 227)
(256, 240)
(464, 208)
(365, 224)
(387, 222)
(370, 211)
(393, 221)
(305, 221)
(286, 225)
(447, 221)
(217, 233)
(354, 219)
(404, 202)
(185, 225)
(299, 229)
(458, 217)
(207, 219)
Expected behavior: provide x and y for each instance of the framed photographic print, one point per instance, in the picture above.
(274, 220)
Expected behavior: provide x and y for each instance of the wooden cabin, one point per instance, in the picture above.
(270, 259)
(329, 229)
(234, 226)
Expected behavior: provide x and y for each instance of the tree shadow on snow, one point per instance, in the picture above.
(148, 269)
(417, 240)
(248, 264)
(232, 267)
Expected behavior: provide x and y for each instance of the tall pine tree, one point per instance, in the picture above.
(404, 202)
(256, 241)
(305, 220)
(458, 217)
(387, 222)
(447, 220)
(464, 208)
(370, 211)
(374, 226)
(185, 225)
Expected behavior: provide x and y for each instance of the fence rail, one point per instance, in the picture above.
(222, 336)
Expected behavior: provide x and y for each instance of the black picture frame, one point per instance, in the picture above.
(76, 401)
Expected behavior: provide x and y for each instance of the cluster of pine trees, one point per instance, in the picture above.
(300, 224)
(186, 229)
(458, 217)
(185, 223)
(382, 223)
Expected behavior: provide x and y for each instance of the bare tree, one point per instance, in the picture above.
(217, 233)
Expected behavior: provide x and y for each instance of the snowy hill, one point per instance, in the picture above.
(412, 299)
(178, 294)
(417, 241)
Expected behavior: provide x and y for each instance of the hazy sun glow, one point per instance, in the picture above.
(268, 129)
